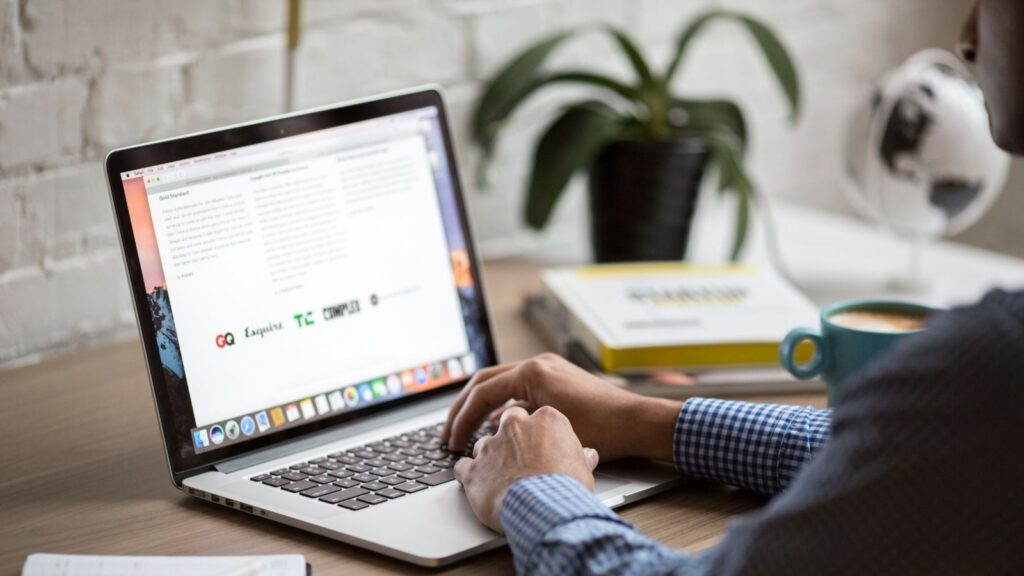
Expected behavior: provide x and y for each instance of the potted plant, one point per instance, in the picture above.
(646, 149)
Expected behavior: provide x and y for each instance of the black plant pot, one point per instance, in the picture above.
(642, 198)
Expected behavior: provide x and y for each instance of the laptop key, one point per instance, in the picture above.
(375, 462)
(410, 475)
(354, 505)
(311, 471)
(276, 482)
(328, 465)
(392, 480)
(347, 459)
(372, 499)
(374, 486)
(318, 491)
(422, 470)
(410, 487)
(316, 461)
(335, 455)
(364, 454)
(322, 479)
(346, 483)
(260, 477)
(364, 477)
(340, 473)
(294, 476)
(382, 472)
(436, 455)
(357, 468)
(438, 478)
(298, 466)
(343, 495)
(417, 461)
(299, 486)
(399, 466)
(280, 471)
(390, 493)
(393, 457)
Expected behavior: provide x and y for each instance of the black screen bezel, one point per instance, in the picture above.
(152, 154)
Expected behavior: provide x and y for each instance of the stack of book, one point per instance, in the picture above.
(675, 330)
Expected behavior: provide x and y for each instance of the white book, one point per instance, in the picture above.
(673, 315)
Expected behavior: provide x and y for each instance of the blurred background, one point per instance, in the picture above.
(79, 78)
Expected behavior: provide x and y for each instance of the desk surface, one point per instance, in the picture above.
(83, 470)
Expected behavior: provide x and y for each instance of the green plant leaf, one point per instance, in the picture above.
(507, 87)
(732, 176)
(774, 51)
(705, 115)
(686, 37)
(643, 71)
(498, 114)
(779, 60)
(569, 144)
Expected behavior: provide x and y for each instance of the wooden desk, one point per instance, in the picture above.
(82, 469)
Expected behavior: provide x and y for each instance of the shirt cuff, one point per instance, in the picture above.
(534, 506)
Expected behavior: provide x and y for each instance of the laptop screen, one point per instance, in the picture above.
(296, 279)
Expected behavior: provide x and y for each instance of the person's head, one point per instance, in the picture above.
(992, 41)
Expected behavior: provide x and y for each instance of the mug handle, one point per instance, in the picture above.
(788, 350)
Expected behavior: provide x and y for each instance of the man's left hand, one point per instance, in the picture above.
(525, 445)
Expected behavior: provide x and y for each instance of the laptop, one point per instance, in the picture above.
(310, 303)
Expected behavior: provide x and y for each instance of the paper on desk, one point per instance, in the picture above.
(83, 565)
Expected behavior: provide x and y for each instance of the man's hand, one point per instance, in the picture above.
(525, 445)
(616, 423)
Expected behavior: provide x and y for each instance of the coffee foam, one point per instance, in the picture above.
(880, 321)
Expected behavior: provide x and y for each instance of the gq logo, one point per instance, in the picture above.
(225, 339)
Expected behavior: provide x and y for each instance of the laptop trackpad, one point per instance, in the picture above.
(604, 483)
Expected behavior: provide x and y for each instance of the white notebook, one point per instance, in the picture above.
(88, 565)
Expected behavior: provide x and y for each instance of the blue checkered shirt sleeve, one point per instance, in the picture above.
(759, 447)
(555, 526)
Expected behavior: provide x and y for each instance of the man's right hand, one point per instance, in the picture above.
(613, 421)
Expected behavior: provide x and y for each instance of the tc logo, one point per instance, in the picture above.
(225, 339)
(304, 319)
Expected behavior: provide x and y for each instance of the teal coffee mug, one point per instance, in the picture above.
(852, 335)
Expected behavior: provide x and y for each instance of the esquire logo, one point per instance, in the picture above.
(228, 339)
(261, 331)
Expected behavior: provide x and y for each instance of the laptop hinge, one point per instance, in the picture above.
(333, 434)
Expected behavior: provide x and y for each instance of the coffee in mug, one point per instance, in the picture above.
(851, 336)
(880, 320)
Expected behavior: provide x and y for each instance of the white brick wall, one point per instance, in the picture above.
(78, 78)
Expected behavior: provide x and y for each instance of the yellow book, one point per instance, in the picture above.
(673, 315)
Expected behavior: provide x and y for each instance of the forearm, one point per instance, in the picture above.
(646, 428)
(759, 447)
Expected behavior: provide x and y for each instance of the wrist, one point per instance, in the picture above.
(650, 427)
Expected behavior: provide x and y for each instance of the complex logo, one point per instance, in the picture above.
(303, 318)
(225, 339)
(341, 310)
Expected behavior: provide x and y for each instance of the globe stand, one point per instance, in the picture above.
(911, 280)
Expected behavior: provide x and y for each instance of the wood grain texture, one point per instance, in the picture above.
(82, 469)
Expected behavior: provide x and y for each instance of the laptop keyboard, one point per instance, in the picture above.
(374, 473)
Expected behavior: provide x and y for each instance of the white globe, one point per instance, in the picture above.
(920, 156)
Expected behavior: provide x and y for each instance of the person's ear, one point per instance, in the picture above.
(967, 46)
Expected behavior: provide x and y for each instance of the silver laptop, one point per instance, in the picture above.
(309, 303)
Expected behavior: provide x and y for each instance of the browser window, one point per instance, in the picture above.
(305, 276)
